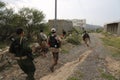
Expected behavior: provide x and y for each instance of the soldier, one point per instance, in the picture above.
(43, 43)
(64, 33)
(86, 38)
(54, 43)
(23, 54)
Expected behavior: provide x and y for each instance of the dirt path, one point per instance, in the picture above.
(97, 65)
(64, 72)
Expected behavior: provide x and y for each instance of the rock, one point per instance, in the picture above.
(1, 50)
(1, 77)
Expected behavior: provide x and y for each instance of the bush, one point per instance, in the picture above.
(113, 44)
(74, 39)
(2, 45)
(99, 30)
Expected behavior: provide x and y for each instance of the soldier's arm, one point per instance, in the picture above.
(48, 41)
(89, 38)
(59, 39)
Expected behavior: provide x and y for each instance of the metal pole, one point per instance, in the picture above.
(55, 20)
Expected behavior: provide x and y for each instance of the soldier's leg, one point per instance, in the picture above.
(29, 68)
(30, 76)
(55, 60)
(21, 64)
(56, 55)
(87, 42)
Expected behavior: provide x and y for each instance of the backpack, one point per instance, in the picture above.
(53, 42)
(85, 36)
(15, 47)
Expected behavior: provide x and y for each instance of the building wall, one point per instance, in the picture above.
(113, 28)
(118, 32)
(66, 25)
(105, 28)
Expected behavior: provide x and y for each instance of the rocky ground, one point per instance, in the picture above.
(80, 63)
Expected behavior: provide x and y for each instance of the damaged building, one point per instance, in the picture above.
(113, 28)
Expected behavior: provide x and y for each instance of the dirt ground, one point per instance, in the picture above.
(79, 63)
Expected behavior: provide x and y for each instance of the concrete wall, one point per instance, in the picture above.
(67, 25)
(105, 28)
(113, 28)
(118, 32)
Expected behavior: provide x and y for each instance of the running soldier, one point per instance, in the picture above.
(54, 42)
(23, 54)
(86, 38)
(43, 43)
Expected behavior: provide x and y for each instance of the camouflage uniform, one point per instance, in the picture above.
(55, 42)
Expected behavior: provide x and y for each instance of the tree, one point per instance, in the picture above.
(32, 19)
(2, 4)
(6, 24)
(5, 21)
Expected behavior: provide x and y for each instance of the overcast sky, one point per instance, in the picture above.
(96, 12)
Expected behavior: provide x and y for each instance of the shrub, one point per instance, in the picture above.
(74, 39)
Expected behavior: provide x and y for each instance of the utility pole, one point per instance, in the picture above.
(55, 20)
